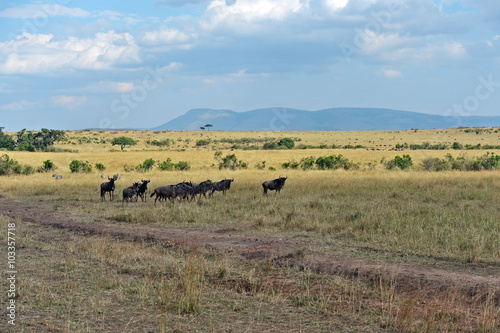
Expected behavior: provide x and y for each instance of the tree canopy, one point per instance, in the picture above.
(30, 141)
(123, 141)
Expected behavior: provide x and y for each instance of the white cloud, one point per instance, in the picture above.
(39, 53)
(17, 106)
(123, 87)
(389, 73)
(165, 36)
(69, 102)
(431, 51)
(250, 11)
(41, 11)
(335, 5)
(238, 76)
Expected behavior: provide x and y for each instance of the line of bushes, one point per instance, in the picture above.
(332, 162)
(442, 146)
(9, 166)
(489, 161)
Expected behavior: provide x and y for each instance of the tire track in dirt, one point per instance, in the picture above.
(406, 277)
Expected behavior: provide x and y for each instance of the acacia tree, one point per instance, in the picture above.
(6, 140)
(123, 141)
(207, 126)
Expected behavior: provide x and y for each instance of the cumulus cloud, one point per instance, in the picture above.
(69, 102)
(389, 73)
(180, 3)
(43, 10)
(17, 105)
(242, 12)
(40, 53)
(335, 5)
(165, 36)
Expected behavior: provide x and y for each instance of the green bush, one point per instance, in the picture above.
(100, 166)
(167, 165)
(307, 163)
(261, 165)
(334, 162)
(48, 165)
(200, 143)
(399, 162)
(435, 164)
(286, 143)
(147, 165)
(230, 161)
(161, 143)
(80, 166)
(182, 165)
(9, 166)
(270, 145)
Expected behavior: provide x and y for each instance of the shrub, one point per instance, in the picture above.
(435, 164)
(48, 165)
(161, 143)
(229, 161)
(147, 165)
(261, 165)
(307, 163)
(9, 166)
(457, 146)
(100, 166)
(167, 165)
(334, 162)
(80, 166)
(270, 145)
(286, 143)
(182, 165)
(399, 162)
(201, 143)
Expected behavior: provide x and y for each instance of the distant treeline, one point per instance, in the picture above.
(30, 141)
(442, 146)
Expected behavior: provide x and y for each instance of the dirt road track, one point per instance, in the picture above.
(406, 277)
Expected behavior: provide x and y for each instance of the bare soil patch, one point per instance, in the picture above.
(469, 279)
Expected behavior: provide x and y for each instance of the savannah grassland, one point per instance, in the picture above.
(75, 282)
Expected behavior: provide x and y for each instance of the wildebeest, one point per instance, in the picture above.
(202, 188)
(116, 177)
(164, 192)
(184, 190)
(143, 189)
(130, 193)
(108, 187)
(57, 176)
(224, 185)
(274, 185)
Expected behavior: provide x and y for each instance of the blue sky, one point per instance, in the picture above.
(113, 64)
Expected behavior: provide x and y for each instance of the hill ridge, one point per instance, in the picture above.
(330, 119)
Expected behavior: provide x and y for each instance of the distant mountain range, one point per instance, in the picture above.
(337, 119)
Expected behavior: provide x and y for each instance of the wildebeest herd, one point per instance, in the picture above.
(181, 191)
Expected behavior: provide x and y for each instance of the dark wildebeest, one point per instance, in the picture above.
(130, 193)
(202, 188)
(274, 185)
(108, 187)
(143, 189)
(184, 190)
(164, 192)
(224, 185)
